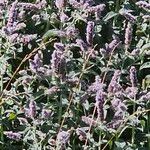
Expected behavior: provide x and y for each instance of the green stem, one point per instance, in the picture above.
(1, 121)
(100, 138)
(148, 125)
(133, 128)
(60, 104)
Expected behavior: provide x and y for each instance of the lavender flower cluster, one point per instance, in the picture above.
(74, 74)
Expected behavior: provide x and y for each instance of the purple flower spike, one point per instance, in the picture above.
(112, 45)
(88, 121)
(36, 63)
(82, 45)
(72, 32)
(99, 104)
(128, 35)
(13, 135)
(58, 62)
(31, 110)
(133, 76)
(114, 86)
(59, 46)
(90, 33)
(12, 14)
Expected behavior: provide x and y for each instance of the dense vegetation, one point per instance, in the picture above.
(74, 74)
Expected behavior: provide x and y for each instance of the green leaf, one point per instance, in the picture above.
(52, 33)
(145, 65)
(110, 15)
(12, 116)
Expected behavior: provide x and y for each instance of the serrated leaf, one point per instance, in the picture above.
(145, 65)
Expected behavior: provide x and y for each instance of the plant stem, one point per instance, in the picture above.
(133, 128)
(148, 125)
(1, 121)
(60, 108)
(100, 138)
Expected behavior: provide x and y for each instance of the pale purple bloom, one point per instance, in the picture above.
(82, 45)
(25, 39)
(33, 7)
(99, 104)
(63, 17)
(115, 123)
(28, 6)
(75, 4)
(88, 121)
(131, 92)
(72, 32)
(21, 15)
(58, 63)
(133, 76)
(90, 33)
(114, 85)
(59, 46)
(41, 4)
(36, 63)
(128, 35)
(60, 4)
(112, 45)
(46, 113)
(143, 4)
(118, 105)
(96, 86)
(13, 38)
(89, 2)
(97, 10)
(31, 110)
(12, 15)
(13, 135)
(51, 90)
(63, 137)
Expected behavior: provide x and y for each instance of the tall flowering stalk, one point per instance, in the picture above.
(133, 76)
(31, 110)
(133, 80)
(58, 62)
(90, 33)
(12, 17)
(97, 87)
(114, 86)
(128, 36)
